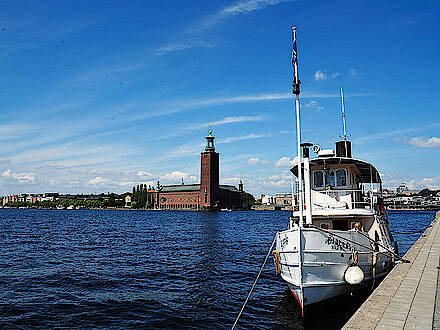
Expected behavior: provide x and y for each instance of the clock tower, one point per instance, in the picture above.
(209, 176)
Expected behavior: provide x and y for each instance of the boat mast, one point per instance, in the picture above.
(343, 121)
(296, 91)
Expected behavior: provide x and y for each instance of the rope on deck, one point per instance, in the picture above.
(255, 283)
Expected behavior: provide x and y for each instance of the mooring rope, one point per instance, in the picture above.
(410, 233)
(255, 283)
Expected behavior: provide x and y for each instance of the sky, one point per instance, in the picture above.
(97, 96)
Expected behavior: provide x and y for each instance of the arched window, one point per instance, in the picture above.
(318, 179)
(341, 177)
(330, 178)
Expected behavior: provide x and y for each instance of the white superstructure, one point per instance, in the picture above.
(345, 228)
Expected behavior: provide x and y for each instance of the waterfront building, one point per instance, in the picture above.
(207, 195)
(127, 201)
(402, 189)
(10, 198)
(267, 199)
(283, 199)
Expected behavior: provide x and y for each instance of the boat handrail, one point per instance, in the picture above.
(337, 199)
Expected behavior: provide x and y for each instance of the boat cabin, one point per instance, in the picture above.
(343, 192)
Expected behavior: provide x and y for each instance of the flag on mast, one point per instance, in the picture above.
(296, 81)
(294, 51)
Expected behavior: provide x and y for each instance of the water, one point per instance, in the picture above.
(134, 269)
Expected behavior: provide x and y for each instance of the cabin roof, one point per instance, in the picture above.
(367, 172)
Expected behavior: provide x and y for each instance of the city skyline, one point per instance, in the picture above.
(98, 98)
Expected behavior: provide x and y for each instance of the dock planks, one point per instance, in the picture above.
(406, 298)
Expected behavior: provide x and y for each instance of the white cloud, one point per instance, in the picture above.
(256, 161)
(177, 176)
(174, 47)
(353, 72)
(285, 162)
(7, 173)
(127, 183)
(145, 175)
(425, 142)
(313, 104)
(193, 33)
(25, 177)
(245, 137)
(278, 183)
(168, 107)
(381, 135)
(100, 181)
(229, 120)
(392, 181)
(237, 8)
(322, 75)
(231, 181)
(319, 75)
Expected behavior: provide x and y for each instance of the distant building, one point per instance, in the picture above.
(207, 195)
(283, 199)
(127, 201)
(402, 189)
(10, 198)
(386, 193)
(267, 199)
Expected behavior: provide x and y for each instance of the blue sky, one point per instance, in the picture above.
(97, 96)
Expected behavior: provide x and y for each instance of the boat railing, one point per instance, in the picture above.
(342, 199)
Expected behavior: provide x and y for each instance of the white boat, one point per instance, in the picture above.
(338, 238)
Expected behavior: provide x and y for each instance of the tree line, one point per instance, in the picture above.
(142, 197)
(65, 202)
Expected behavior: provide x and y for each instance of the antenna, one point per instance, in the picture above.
(343, 114)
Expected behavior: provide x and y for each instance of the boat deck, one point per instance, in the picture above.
(409, 297)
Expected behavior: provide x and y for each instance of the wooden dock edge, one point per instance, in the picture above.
(406, 296)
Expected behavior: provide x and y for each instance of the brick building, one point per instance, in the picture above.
(208, 195)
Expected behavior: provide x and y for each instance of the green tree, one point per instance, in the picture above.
(112, 200)
(247, 199)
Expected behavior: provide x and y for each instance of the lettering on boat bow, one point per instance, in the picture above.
(338, 244)
(284, 241)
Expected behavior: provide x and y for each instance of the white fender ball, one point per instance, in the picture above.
(354, 275)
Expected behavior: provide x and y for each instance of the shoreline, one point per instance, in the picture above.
(108, 209)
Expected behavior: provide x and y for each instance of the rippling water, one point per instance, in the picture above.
(151, 269)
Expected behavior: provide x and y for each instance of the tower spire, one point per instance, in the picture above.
(210, 140)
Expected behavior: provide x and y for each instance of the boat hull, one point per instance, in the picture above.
(313, 262)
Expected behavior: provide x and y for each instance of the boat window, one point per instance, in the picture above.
(341, 177)
(330, 178)
(318, 179)
(340, 224)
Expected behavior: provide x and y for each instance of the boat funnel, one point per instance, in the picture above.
(343, 149)
(306, 150)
